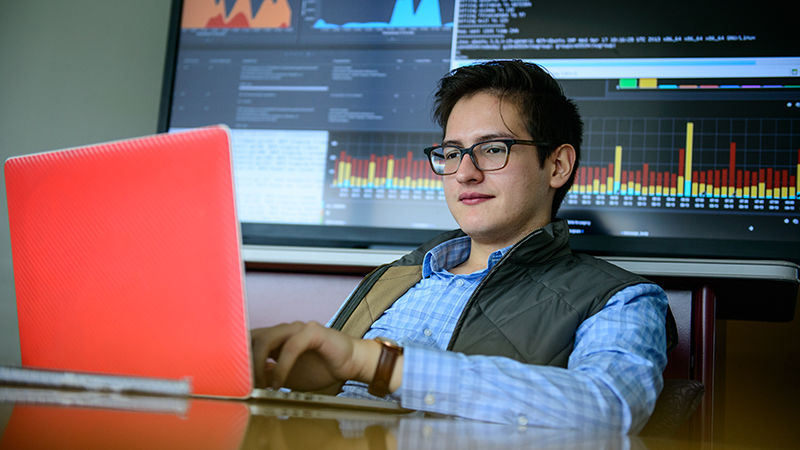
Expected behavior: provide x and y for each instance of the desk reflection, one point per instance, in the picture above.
(42, 418)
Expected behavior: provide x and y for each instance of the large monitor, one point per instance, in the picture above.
(691, 113)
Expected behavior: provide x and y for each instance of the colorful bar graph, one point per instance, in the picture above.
(727, 182)
(385, 171)
(689, 171)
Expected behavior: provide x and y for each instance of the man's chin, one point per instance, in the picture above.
(478, 232)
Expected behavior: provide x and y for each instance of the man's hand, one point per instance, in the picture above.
(308, 356)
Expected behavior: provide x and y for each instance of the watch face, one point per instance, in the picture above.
(388, 342)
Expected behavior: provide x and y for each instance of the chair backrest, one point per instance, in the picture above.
(679, 360)
(689, 375)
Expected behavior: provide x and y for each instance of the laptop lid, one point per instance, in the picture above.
(127, 260)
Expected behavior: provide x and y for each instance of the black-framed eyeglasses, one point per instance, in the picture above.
(486, 155)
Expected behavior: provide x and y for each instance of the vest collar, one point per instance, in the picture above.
(549, 242)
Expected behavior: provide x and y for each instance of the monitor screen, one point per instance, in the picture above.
(691, 116)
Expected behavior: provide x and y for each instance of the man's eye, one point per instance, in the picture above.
(451, 154)
(493, 149)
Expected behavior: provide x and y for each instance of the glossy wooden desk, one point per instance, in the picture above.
(43, 418)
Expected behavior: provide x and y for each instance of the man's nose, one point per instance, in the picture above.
(467, 171)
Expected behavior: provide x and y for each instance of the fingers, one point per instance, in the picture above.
(291, 349)
(266, 343)
(310, 337)
(304, 356)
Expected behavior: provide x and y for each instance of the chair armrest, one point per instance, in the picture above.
(676, 404)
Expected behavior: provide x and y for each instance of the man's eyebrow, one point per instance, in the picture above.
(487, 137)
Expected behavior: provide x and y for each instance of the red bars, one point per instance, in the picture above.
(405, 172)
(730, 181)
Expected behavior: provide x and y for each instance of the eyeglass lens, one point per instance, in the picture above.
(486, 156)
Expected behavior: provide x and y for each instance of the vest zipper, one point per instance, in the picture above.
(475, 293)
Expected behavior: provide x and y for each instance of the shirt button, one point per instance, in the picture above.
(429, 399)
(459, 282)
(522, 420)
(427, 332)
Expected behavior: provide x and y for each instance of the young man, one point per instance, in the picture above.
(497, 321)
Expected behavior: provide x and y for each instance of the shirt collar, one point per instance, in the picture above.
(451, 253)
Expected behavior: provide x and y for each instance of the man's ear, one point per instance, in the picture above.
(563, 161)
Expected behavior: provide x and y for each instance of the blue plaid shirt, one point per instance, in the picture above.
(612, 379)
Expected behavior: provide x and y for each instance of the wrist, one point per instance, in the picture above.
(369, 351)
(388, 369)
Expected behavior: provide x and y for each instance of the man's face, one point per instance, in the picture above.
(497, 207)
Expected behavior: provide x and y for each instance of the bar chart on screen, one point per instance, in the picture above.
(385, 171)
(743, 164)
(383, 179)
(392, 163)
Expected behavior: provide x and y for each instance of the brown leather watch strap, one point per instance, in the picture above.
(390, 351)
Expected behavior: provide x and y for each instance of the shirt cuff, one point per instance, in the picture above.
(419, 390)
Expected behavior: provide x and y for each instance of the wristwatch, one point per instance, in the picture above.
(390, 351)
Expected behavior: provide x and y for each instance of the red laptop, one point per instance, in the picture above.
(127, 261)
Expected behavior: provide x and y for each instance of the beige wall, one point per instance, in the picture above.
(73, 72)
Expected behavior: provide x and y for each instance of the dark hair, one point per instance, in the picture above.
(548, 114)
